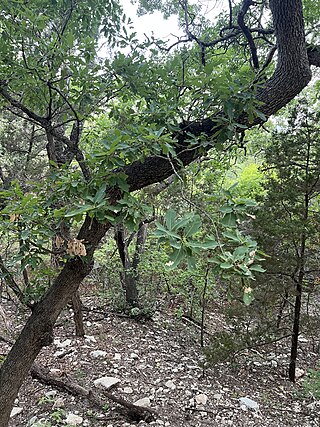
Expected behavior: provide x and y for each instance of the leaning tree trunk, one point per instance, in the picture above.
(38, 331)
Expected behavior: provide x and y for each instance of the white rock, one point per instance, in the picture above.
(90, 338)
(170, 384)
(74, 419)
(201, 399)
(299, 373)
(145, 401)
(248, 403)
(56, 372)
(217, 396)
(15, 411)
(128, 390)
(98, 353)
(51, 393)
(134, 356)
(117, 356)
(63, 344)
(106, 382)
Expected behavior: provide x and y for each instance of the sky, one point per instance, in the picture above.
(165, 28)
(151, 24)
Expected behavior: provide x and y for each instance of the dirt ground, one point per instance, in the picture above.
(160, 360)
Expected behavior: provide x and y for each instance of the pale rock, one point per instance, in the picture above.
(106, 382)
(128, 390)
(160, 422)
(145, 401)
(134, 356)
(56, 372)
(90, 338)
(217, 396)
(192, 402)
(117, 356)
(170, 384)
(248, 403)
(98, 353)
(274, 364)
(16, 411)
(59, 353)
(58, 403)
(74, 419)
(63, 344)
(201, 399)
(51, 393)
(299, 373)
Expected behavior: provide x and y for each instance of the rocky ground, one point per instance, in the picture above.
(159, 361)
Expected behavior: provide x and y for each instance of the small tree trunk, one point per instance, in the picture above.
(283, 305)
(295, 333)
(130, 285)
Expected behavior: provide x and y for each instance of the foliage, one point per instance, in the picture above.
(311, 384)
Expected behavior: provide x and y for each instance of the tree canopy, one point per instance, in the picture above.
(114, 115)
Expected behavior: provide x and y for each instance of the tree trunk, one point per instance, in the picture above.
(129, 282)
(38, 331)
(295, 330)
(301, 274)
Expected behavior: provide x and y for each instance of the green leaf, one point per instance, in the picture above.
(257, 267)
(176, 257)
(193, 227)
(229, 220)
(100, 194)
(170, 219)
(191, 263)
(232, 236)
(83, 209)
(226, 265)
(248, 296)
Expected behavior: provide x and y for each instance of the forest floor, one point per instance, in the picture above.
(159, 360)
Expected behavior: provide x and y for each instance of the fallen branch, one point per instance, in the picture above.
(136, 413)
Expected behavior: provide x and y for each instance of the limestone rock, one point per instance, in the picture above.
(145, 401)
(15, 411)
(170, 384)
(246, 402)
(62, 344)
(201, 399)
(106, 382)
(98, 353)
(74, 419)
